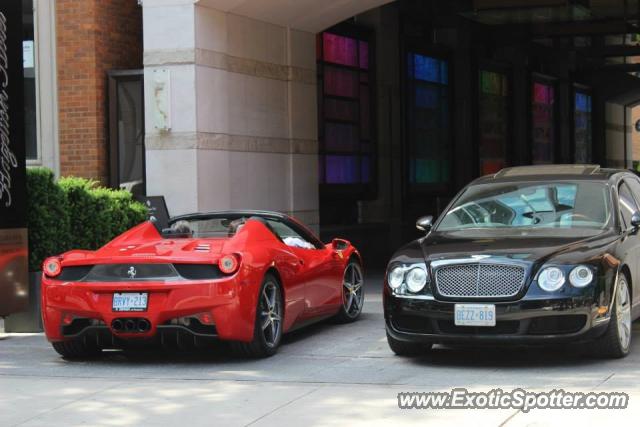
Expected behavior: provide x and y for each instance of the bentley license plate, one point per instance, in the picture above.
(475, 315)
(130, 301)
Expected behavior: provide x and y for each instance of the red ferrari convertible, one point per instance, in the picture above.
(241, 276)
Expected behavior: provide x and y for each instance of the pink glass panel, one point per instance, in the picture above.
(340, 50)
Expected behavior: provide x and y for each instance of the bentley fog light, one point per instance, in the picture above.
(416, 279)
(551, 279)
(580, 276)
(396, 277)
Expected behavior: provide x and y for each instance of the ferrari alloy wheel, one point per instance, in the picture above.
(271, 314)
(268, 326)
(352, 293)
(616, 341)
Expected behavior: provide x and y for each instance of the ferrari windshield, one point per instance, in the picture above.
(527, 205)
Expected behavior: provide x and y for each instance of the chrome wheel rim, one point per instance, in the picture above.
(352, 290)
(271, 314)
(623, 314)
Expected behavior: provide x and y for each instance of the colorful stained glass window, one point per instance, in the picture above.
(428, 118)
(344, 109)
(582, 134)
(493, 111)
(543, 123)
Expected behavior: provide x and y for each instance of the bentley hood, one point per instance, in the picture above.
(532, 246)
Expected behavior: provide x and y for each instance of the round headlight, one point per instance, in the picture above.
(416, 279)
(580, 276)
(396, 277)
(551, 279)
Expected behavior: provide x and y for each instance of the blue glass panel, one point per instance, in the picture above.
(583, 102)
(428, 69)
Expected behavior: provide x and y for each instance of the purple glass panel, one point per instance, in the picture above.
(342, 169)
(364, 54)
(340, 137)
(340, 82)
(340, 50)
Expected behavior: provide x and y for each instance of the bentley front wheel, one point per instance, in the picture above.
(616, 341)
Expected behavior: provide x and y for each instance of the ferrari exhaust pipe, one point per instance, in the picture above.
(117, 325)
(129, 325)
(143, 325)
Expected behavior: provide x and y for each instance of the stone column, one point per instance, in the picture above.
(242, 112)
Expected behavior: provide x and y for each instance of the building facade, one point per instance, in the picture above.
(355, 116)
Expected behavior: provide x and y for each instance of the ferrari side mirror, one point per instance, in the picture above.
(424, 223)
(339, 244)
(635, 220)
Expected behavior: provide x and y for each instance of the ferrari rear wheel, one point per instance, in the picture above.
(76, 349)
(352, 293)
(616, 341)
(268, 326)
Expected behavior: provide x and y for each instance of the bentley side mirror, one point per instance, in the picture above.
(635, 220)
(424, 223)
(340, 244)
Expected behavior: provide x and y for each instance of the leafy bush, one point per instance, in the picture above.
(75, 213)
(47, 217)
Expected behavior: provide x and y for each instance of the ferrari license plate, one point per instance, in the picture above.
(475, 315)
(130, 301)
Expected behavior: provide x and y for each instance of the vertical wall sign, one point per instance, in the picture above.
(14, 283)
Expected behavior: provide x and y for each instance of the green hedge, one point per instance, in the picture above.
(74, 213)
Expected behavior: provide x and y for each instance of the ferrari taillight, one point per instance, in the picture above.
(229, 263)
(52, 267)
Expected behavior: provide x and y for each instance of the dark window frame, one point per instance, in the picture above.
(441, 53)
(359, 191)
(113, 78)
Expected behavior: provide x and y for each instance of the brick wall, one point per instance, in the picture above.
(92, 37)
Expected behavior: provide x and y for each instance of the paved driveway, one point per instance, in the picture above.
(331, 375)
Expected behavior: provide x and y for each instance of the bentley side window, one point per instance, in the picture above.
(627, 203)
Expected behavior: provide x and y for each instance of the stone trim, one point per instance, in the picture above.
(225, 142)
(230, 63)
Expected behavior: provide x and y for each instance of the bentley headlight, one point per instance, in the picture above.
(551, 279)
(580, 276)
(416, 279)
(396, 277)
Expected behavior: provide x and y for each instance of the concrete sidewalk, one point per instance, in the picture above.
(328, 375)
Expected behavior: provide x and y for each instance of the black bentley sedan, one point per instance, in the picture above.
(530, 255)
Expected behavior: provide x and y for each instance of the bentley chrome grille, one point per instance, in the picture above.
(479, 280)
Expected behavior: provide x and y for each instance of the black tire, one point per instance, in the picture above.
(610, 344)
(76, 349)
(262, 346)
(405, 348)
(353, 312)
